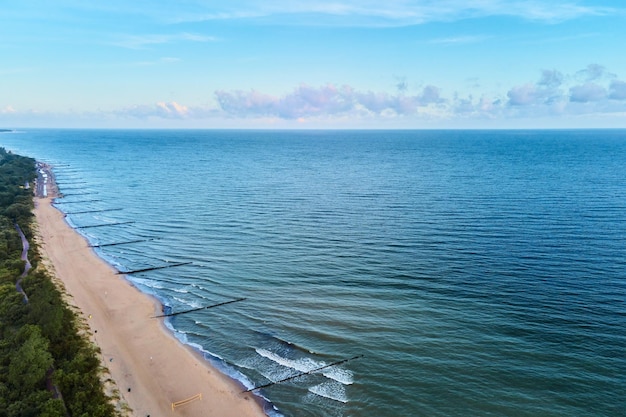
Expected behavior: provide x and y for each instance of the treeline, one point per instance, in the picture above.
(48, 367)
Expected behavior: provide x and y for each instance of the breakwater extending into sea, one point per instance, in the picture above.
(478, 273)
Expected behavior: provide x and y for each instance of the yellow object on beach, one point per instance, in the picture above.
(187, 401)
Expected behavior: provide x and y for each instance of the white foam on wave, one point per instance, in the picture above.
(146, 286)
(216, 361)
(222, 366)
(112, 259)
(192, 304)
(71, 223)
(275, 373)
(302, 365)
(205, 352)
(332, 390)
(342, 376)
(147, 283)
(180, 335)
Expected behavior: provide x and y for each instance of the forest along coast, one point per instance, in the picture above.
(47, 367)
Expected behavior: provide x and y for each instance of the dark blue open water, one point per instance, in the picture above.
(480, 273)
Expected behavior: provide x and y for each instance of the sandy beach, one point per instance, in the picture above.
(151, 368)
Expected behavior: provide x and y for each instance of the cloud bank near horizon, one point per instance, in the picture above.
(591, 91)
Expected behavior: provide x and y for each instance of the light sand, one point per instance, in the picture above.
(137, 349)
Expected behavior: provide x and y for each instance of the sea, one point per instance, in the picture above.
(371, 273)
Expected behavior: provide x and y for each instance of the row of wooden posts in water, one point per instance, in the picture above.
(173, 265)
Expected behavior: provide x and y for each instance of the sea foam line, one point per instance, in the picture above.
(331, 390)
(225, 368)
(304, 365)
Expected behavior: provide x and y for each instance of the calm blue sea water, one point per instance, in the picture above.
(480, 273)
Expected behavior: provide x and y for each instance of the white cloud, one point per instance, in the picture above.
(7, 110)
(554, 96)
(304, 100)
(523, 95)
(459, 40)
(387, 13)
(143, 41)
(164, 110)
(551, 78)
(160, 61)
(173, 109)
(594, 72)
(617, 90)
(484, 107)
(548, 90)
(587, 92)
(325, 101)
(544, 92)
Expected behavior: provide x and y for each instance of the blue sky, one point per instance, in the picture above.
(314, 64)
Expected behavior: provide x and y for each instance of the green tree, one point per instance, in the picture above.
(19, 212)
(42, 334)
(31, 361)
(28, 405)
(52, 408)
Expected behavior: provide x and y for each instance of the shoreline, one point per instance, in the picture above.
(150, 367)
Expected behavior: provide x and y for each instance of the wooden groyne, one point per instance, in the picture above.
(199, 308)
(153, 268)
(76, 202)
(71, 182)
(312, 371)
(102, 245)
(103, 225)
(70, 188)
(75, 194)
(93, 211)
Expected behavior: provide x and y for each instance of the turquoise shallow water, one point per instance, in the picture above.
(478, 272)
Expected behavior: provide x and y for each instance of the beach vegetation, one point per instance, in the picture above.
(48, 366)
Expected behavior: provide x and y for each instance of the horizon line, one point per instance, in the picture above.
(304, 129)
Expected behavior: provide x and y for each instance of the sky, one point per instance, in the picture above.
(405, 64)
